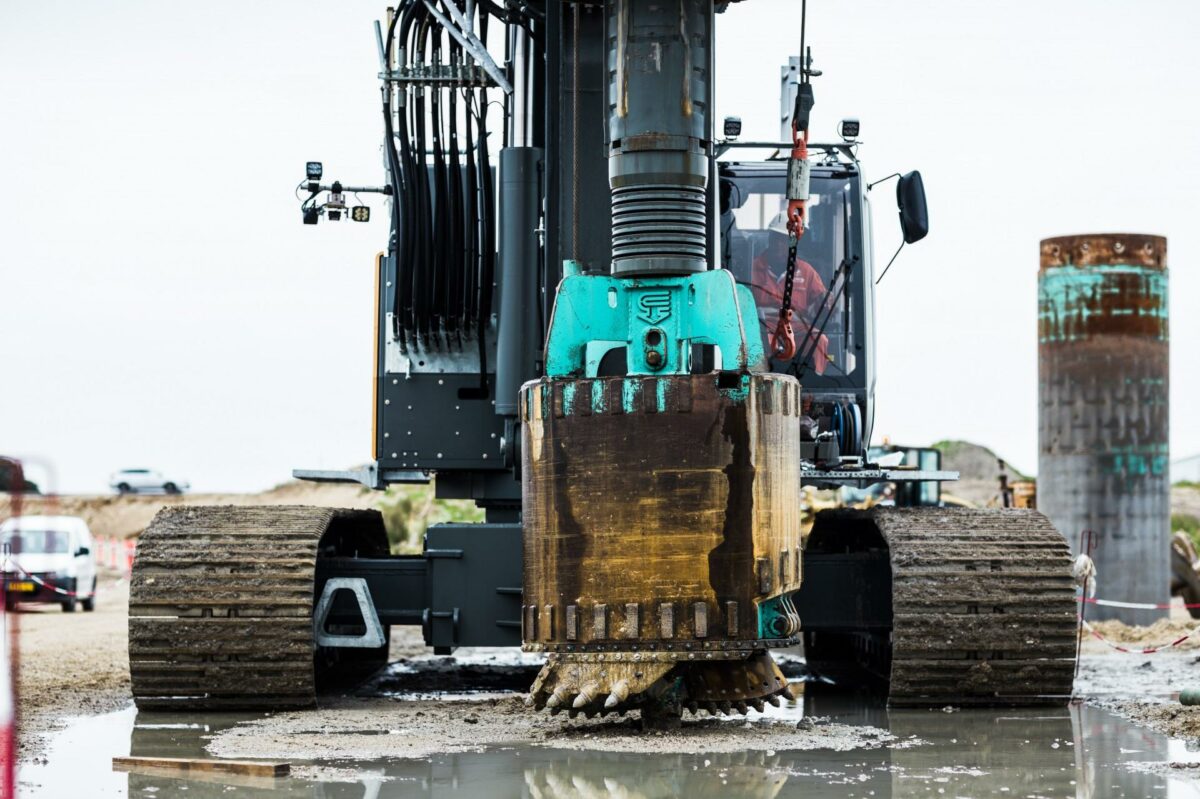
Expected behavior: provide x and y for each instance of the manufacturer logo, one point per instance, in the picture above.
(655, 306)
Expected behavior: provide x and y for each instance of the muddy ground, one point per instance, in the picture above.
(350, 728)
(72, 664)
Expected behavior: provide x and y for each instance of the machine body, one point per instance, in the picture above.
(574, 319)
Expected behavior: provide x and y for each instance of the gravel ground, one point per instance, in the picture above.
(70, 663)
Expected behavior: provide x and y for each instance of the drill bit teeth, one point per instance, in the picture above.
(597, 688)
(620, 693)
(586, 695)
(557, 698)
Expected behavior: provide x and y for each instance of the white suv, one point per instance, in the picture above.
(136, 481)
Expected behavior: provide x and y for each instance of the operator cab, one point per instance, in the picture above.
(832, 294)
(754, 246)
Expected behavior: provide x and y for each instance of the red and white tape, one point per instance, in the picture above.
(35, 579)
(1112, 603)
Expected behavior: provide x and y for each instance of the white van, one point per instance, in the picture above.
(48, 559)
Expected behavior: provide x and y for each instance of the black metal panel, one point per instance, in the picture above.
(845, 591)
(475, 585)
(437, 421)
(498, 492)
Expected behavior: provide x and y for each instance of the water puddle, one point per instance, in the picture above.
(1070, 752)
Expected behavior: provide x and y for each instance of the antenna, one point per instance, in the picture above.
(805, 58)
(804, 93)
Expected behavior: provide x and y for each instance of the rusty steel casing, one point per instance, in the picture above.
(658, 511)
(1103, 412)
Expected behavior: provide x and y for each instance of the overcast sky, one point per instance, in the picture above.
(163, 306)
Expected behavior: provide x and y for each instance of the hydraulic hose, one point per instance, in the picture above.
(487, 237)
(443, 317)
(461, 287)
(422, 283)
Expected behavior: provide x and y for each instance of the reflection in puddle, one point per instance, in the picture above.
(1075, 752)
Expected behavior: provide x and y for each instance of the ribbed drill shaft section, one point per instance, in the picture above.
(658, 95)
(659, 221)
(983, 607)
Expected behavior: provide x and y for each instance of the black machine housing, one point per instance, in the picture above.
(445, 387)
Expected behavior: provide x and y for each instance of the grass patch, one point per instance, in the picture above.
(1187, 523)
(1185, 484)
(409, 510)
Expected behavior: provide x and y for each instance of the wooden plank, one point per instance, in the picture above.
(245, 768)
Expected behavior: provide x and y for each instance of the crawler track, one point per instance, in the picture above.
(983, 608)
(221, 602)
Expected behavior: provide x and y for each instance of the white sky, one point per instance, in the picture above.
(163, 306)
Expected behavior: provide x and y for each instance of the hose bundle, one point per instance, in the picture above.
(443, 240)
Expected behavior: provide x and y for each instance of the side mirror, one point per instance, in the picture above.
(82, 551)
(914, 214)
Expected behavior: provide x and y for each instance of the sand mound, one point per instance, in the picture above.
(1159, 634)
(126, 516)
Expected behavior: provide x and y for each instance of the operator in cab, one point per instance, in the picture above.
(769, 274)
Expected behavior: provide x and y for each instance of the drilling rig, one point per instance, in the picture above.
(631, 349)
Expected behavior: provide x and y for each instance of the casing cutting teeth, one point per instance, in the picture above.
(587, 694)
(758, 705)
(620, 693)
(557, 698)
(774, 700)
